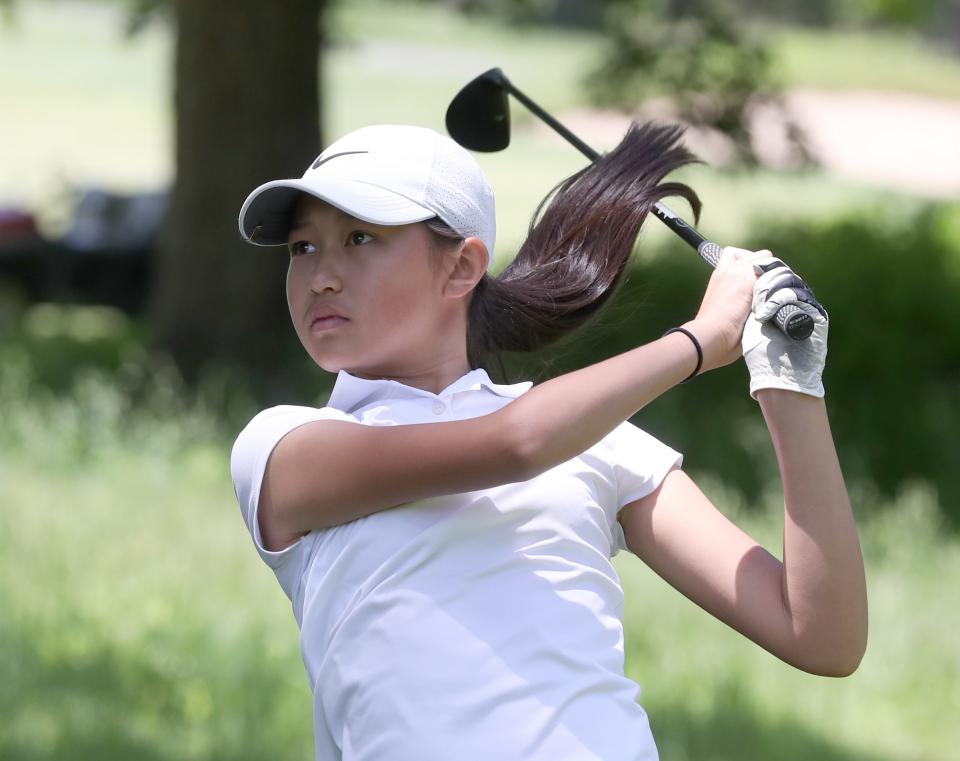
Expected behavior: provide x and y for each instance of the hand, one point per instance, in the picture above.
(774, 360)
(726, 304)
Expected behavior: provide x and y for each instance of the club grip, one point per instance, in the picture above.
(792, 320)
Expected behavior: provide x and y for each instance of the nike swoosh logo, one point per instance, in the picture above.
(321, 159)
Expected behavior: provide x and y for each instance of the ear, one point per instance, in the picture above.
(467, 268)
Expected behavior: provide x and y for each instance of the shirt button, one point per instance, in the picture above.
(438, 407)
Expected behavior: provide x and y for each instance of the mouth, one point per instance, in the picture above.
(322, 318)
(327, 322)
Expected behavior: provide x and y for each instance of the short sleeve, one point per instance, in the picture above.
(640, 463)
(248, 462)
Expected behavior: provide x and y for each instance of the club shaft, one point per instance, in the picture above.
(672, 220)
(792, 321)
(577, 143)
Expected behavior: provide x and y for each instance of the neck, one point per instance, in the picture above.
(433, 375)
(430, 364)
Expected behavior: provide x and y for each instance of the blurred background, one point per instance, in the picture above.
(138, 335)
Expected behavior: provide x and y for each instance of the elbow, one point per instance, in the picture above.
(838, 658)
(837, 665)
(850, 658)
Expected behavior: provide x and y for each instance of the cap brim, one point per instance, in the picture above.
(267, 214)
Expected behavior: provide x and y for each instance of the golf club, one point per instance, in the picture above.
(478, 118)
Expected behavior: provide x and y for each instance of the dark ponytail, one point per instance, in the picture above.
(577, 248)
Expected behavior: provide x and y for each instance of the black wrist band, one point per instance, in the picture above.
(696, 345)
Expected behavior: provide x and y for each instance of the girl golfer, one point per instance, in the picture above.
(445, 540)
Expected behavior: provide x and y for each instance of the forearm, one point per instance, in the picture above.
(571, 413)
(824, 589)
(562, 417)
(551, 423)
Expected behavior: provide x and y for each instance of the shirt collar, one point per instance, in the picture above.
(350, 392)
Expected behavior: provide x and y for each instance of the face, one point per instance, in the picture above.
(365, 298)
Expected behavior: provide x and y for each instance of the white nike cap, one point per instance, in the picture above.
(386, 175)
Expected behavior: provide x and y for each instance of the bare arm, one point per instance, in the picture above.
(330, 472)
(811, 609)
(824, 586)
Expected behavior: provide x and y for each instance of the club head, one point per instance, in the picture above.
(478, 117)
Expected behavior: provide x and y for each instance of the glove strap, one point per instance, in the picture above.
(696, 345)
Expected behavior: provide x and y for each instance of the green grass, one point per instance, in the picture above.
(138, 621)
(132, 625)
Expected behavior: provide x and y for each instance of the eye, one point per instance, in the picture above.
(358, 238)
(300, 247)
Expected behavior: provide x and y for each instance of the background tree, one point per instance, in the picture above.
(247, 109)
(700, 56)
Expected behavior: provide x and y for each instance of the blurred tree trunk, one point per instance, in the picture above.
(247, 93)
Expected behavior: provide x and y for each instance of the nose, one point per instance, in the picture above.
(325, 275)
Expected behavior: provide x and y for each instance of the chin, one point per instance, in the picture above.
(360, 366)
(329, 365)
(336, 364)
(325, 361)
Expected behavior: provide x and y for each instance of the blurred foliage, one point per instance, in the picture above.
(559, 12)
(939, 19)
(890, 281)
(908, 13)
(712, 68)
(143, 12)
(52, 351)
(914, 14)
(889, 278)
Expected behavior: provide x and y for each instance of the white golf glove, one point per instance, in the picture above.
(774, 359)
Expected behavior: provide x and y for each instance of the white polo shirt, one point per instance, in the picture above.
(475, 626)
